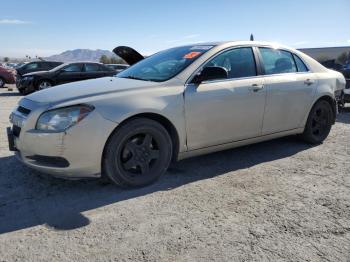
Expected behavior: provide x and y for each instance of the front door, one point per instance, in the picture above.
(226, 110)
(70, 73)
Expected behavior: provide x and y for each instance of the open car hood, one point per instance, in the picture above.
(131, 56)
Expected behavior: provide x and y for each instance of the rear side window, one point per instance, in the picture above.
(238, 62)
(54, 64)
(277, 61)
(105, 68)
(300, 64)
(44, 65)
(92, 67)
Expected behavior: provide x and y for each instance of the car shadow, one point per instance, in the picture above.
(28, 198)
(10, 93)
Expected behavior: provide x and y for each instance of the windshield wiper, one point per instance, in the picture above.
(138, 78)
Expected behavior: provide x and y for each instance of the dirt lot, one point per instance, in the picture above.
(280, 200)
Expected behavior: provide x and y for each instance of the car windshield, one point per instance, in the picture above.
(166, 64)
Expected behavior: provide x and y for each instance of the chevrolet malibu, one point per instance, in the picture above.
(175, 104)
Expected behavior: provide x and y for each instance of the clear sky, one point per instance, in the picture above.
(46, 27)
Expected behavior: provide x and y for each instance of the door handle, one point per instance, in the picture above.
(309, 82)
(256, 87)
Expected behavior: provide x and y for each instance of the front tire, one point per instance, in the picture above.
(319, 123)
(2, 82)
(44, 84)
(138, 153)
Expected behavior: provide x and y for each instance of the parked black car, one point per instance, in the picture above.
(65, 73)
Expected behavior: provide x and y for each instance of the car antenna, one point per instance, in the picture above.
(251, 37)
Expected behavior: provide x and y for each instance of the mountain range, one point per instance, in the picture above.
(80, 55)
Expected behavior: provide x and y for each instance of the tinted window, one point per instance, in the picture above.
(32, 66)
(92, 67)
(105, 68)
(45, 65)
(166, 64)
(239, 62)
(72, 68)
(277, 61)
(300, 64)
(54, 64)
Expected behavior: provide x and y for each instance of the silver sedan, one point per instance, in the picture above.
(178, 103)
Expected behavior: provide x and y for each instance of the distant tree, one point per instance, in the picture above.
(343, 58)
(104, 59)
(111, 60)
(6, 59)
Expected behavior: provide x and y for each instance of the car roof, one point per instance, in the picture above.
(240, 42)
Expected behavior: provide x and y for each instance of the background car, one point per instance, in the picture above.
(7, 76)
(65, 73)
(36, 66)
(117, 67)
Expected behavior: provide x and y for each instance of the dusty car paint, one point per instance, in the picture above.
(194, 111)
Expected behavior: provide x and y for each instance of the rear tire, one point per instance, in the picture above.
(319, 123)
(138, 153)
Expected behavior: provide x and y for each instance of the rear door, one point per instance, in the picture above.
(289, 85)
(70, 73)
(226, 110)
(92, 70)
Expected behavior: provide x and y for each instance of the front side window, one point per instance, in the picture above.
(32, 66)
(300, 64)
(165, 65)
(238, 62)
(72, 68)
(277, 61)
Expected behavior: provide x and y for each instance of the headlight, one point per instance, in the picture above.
(63, 118)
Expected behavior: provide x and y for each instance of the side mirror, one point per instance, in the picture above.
(210, 73)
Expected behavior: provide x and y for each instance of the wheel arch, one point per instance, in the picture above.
(331, 101)
(164, 121)
(41, 80)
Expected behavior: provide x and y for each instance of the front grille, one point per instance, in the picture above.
(23, 110)
(16, 130)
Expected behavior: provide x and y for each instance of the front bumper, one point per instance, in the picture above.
(75, 153)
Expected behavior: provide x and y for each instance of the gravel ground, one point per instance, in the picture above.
(280, 200)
